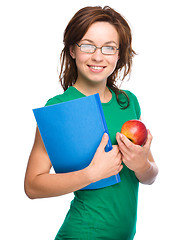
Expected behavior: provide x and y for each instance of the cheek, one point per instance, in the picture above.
(81, 59)
(113, 63)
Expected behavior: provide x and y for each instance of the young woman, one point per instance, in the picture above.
(97, 51)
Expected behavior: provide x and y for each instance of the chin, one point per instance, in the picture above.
(96, 80)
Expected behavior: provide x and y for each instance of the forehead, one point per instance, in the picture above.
(102, 32)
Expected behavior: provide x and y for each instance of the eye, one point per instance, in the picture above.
(87, 48)
(109, 50)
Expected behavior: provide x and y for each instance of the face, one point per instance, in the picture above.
(96, 67)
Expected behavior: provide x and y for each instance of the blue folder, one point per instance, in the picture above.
(71, 132)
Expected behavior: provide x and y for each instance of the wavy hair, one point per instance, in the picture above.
(74, 32)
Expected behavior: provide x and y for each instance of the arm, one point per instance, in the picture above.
(149, 174)
(39, 183)
(139, 159)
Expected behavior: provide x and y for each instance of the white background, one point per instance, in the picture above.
(30, 44)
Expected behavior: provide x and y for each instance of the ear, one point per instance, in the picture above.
(72, 52)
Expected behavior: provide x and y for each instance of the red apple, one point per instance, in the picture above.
(135, 131)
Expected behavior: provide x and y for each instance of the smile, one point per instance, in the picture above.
(96, 68)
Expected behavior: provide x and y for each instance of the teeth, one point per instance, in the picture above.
(96, 68)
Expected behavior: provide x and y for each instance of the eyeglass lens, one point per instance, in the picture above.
(91, 49)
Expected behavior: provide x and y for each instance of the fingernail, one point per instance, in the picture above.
(119, 134)
(105, 135)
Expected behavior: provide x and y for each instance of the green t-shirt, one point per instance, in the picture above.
(110, 212)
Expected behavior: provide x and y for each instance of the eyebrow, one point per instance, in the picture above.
(103, 44)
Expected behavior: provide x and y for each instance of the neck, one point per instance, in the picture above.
(90, 89)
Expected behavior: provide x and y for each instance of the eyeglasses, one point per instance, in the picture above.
(106, 50)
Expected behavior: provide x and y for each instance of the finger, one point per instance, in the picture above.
(120, 168)
(124, 148)
(126, 141)
(103, 142)
(149, 140)
(115, 148)
(120, 142)
(119, 157)
(120, 138)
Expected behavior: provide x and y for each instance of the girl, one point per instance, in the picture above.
(97, 51)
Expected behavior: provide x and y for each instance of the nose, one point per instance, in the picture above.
(97, 55)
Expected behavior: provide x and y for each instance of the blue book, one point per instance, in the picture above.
(71, 132)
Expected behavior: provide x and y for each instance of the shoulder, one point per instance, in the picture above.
(64, 97)
(130, 94)
(54, 100)
(133, 102)
(125, 95)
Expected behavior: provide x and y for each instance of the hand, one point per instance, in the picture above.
(105, 164)
(134, 156)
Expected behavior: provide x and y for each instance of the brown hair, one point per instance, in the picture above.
(77, 28)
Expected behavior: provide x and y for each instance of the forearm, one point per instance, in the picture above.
(148, 174)
(52, 185)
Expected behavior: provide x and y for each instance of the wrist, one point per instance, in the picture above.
(145, 168)
(148, 174)
(90, 174)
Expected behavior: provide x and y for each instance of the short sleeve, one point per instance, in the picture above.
(137, 107)
(134, 103)
(52, 101)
